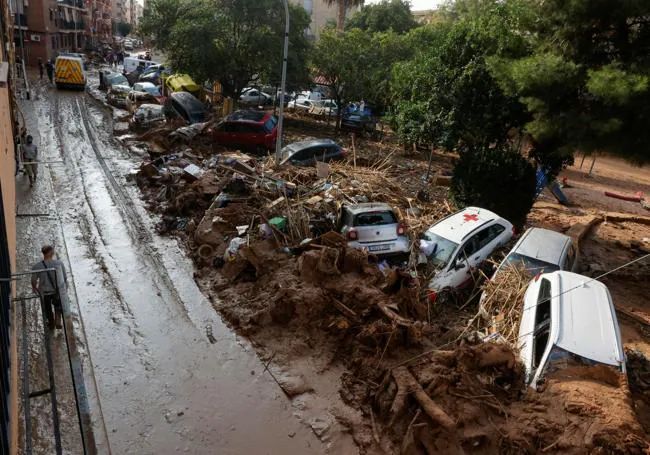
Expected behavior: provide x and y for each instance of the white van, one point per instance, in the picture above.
(568, 320)
(131, 63)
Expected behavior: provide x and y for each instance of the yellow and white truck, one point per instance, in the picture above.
(69, 72)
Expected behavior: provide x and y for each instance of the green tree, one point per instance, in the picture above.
(445, 95)
(342, 7)
(586, 84)
(237, 42)
(358, 64)
(388, 15)
(495, 178)
(123, 28)
(158, 19)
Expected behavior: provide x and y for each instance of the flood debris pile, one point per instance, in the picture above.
(265, 242)
(472, 400)
(500, 309)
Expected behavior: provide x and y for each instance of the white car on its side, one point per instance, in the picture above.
(568, 321)
(457, 245)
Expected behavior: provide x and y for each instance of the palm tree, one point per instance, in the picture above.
(343, 6)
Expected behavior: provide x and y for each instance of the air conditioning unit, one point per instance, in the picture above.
(36, 38)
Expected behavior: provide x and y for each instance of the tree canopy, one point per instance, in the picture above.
(585, 83)
(237, 42)
(446, 94)
(389, 15)
(123, 28)
(358, 64)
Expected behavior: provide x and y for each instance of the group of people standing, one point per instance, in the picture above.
(115, 58)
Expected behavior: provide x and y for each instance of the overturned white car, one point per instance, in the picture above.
(568, 320)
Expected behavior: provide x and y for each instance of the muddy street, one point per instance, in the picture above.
(163, 373)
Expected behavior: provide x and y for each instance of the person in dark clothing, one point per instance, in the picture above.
(49, 68)
(50, 285)
(40, 68)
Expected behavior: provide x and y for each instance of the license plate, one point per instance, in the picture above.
(379, 248)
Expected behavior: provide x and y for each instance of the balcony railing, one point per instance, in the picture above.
(75, 3)
(71, 25)
(20, 20)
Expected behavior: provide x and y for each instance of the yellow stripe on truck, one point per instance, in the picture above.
(69, 72)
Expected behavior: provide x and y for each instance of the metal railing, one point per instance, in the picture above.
(20, 20)
(76, 372)
(5, 338)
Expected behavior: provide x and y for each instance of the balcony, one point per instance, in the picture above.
(20, 20)
(78, 26)
(74, 3)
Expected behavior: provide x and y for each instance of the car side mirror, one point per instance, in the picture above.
(459, 265)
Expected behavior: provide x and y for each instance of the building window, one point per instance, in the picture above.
(53, 42)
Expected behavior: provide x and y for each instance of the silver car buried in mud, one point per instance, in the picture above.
(374, 227)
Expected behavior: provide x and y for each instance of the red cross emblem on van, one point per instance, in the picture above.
(472, 217)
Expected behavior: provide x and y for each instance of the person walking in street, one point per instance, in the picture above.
(40, 68)
(49, 284)
(30, 156)
(49, 69)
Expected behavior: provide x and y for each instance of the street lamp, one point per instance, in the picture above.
(278, 141)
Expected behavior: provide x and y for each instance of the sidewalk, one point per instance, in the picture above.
(37, 225)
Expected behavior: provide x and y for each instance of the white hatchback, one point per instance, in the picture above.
(458, 245)
(568, 320)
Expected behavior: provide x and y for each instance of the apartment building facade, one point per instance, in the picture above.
(8, 338)
(101, 22)
(119, 12)
(44, 28)
(321, 14)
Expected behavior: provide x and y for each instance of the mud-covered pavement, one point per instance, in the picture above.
(157, 382)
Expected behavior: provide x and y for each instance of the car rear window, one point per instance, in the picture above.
(532, 265)
(374, 218)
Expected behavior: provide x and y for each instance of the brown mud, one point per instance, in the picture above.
(338, 329)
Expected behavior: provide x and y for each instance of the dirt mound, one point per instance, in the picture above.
(472, 399)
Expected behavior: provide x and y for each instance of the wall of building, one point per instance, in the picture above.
(8, 183)
(321, 13)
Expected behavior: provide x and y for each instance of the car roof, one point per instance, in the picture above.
(248, 116)
(586, 322)
(368, 207)
(542, 244)
(301, 145)
(459, 225)
(145, 84)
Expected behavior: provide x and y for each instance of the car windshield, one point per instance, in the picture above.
(117, 79)
(532, 265)
(374, 218)
(287, 151)
(439, 249)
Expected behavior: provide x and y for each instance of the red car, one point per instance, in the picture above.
(250, 130)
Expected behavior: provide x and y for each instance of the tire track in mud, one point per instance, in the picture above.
(140, 234)
(91, 242)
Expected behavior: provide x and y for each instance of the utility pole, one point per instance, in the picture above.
(283, 83)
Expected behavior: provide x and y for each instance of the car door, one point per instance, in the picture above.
(489, 240)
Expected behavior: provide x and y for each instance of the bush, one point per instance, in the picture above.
(497, 179)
